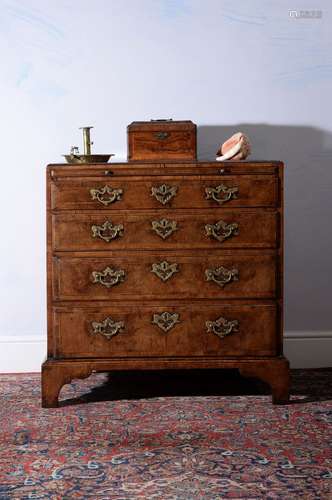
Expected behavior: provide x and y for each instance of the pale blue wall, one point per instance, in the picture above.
(223, 64)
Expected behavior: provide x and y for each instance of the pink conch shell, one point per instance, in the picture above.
(236, 147)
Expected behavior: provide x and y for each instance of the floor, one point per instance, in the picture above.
(166, 435)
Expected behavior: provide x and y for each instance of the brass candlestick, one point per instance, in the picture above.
(86, 157)
(86, 140)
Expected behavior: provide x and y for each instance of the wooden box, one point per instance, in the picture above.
(162, 140)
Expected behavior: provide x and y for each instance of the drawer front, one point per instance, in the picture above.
(162, 145)
(154, 230)
(154, 276)
(166, 330)
(165, 192)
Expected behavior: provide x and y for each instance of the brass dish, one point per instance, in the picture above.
(78, 158)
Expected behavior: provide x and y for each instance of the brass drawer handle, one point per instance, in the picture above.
(164, 227)
(108, 277)
(164, 193)
(221, 230)
(221, 275)
(221, 193)
(222, 327)
(161, 135)
(106, 195)
(166, 320)
(108, 328)
(107, 231)
(164, 270)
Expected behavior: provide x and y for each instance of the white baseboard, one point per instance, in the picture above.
(25, 353)
(308, 349)
(22, 354)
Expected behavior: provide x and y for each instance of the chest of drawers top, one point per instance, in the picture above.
(62, 170)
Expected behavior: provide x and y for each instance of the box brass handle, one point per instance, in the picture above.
(222, 276)
(106, 195)
(161, 135)
(108, 277)
(166, 320)
(164, 193)
(108, 328)
(222, 327)
(107, 231)
(221, 193)
(221, 230)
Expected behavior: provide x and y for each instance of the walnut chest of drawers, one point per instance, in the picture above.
(165, 265)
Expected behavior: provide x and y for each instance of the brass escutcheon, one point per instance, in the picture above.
(164, 227)
(221, 193)
(107, 231)
(221, 275)
(108, 328)
(222, 327)
(108, 277)
(221, 230)
(164, 270)
(164, 193)
(166, 320)
(161, 135)
(106, 195)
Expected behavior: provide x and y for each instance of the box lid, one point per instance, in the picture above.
(156, 125)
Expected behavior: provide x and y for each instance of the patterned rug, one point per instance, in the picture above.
(166, 435)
